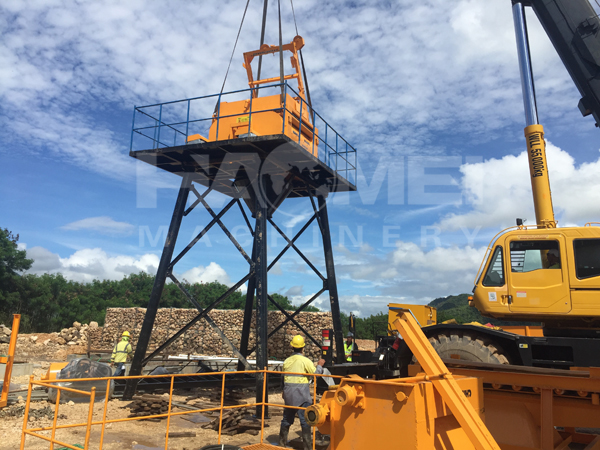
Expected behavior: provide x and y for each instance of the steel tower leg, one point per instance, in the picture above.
(260, 233)
(248, 311)
(331, 281)
(159, 284)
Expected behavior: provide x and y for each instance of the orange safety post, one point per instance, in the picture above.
(262, 410)
(88, 428)
(169, 413)
(221, 409)
(55, 419)
(314, 430)
(9, 359)
(104, 413)
(26, 414)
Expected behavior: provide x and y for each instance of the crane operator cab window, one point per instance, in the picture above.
(527, 256)
(495, 273)
(587, 258)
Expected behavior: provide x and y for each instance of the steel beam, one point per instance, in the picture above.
(187, 326)
(159, 284)
(261, 301)
(294, 321)
(294, 314)
(211, 322)
(249, 307)
(331, 281)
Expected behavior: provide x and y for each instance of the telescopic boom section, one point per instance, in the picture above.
(534, 132)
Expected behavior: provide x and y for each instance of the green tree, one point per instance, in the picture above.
(12, 263)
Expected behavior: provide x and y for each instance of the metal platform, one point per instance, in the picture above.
(216, 164)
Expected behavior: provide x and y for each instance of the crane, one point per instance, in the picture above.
(541, 273)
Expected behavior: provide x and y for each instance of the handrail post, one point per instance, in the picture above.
(313, 135)
(132, 129)
(26, 413)
(104, 413)
(159, 125)
(187, 121)
(169, 413)
(221, 409)
(300, 123)
(218, 114)
(250, 114)
(264, 391)
(53, 434)
(284, 107)
(326, 146)
(88, 428)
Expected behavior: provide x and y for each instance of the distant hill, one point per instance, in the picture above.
(457, 307)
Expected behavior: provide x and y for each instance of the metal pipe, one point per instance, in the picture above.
(531, 116)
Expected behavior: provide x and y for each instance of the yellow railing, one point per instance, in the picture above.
(35, 432)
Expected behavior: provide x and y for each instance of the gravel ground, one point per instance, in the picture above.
(137, 435)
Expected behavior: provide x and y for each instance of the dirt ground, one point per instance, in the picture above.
(41, 349)
(135, 435)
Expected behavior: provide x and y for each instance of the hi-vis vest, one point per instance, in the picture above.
(120, 352)
(348, 351)
(298, 364)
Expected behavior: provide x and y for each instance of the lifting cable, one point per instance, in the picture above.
(234, 46)
(302, 59)
(262, 39)
(281, 74)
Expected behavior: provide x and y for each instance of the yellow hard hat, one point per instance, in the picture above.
(125, 333)
(298, 342)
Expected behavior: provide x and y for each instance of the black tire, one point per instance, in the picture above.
(467, 347)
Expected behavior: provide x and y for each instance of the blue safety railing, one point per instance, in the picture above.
(169, 124)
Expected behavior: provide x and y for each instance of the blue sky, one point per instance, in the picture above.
(428, 92)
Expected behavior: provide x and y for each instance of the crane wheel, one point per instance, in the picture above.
(467, 347)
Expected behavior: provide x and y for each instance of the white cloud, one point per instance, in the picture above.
(88, 264)
(208, 274)
(103, 225)
(91, 263)
(499, 191)
(437, 66)
(408, 274)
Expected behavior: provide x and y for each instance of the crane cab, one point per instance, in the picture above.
(542, 274)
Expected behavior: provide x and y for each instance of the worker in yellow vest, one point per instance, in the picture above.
(349, 346)
(296, 392)
(120, 353)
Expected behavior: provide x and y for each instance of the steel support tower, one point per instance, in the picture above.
(258, 173)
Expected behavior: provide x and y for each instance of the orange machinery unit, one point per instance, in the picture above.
(285, 113)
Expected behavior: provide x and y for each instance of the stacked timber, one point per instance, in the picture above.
(236, 421)
(148, 405)
(201, 339)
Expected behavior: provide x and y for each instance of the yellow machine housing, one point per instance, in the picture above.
(425, 315)
(270, 115)
(518, 282)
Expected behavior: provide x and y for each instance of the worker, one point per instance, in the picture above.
(553, 257)
(349, 347)
(120, 353)
(296, 392)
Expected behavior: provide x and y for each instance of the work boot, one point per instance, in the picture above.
(283, 436)
(307, 438)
